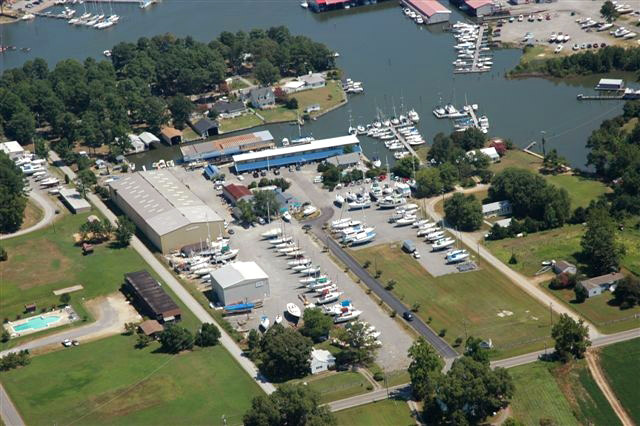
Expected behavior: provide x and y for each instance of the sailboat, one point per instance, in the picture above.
(301, 139)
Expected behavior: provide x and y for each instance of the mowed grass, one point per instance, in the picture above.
(327, 97)
(110, 382)
(389, 412)
(517, 158)
(630, 237)
(244, 121)
(336, 386)
(620, 365)
(581, 191)
(538, 396)
(465, 303)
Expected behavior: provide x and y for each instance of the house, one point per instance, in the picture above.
(490, 152)
(235, 193)
(480, 7)
(151, 328)
(240, 282)
(205, 127)
(499, 208)
(171, 136)
(313, 80)
(287, 201)
(595, 286)
(564, 267)
(321, 360)
(293, 86)
(499, 146)
(262, 97)
(226, 109)
(12, 148)
(345, 160)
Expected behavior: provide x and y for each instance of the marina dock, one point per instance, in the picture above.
(404, 142)
(477, 66)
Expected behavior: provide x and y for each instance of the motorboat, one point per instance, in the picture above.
(329, 297)
(390, 202)
(443, 243)
(421, 223)
(413, 116)
(339, 200)
(309, 210)
(302, 266)
(310, 270)
(295, 253)
(323, 288)
(363, 238)
(298, 262)
(272, 233)
(406, 220)
(339, 222)
(363, 204)
(457, 257)
(435, 235)
(426, 231)
(293, 310)
(376, 162)
(286, 216)
(346, 316)
(264, 322)
(278, 319)
(313, 279)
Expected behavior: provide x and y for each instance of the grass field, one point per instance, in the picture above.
(630, 237)
(242, 122)
(389, 412)
(620, 364)
(32, 215)
(327, 97)
(335, 386)
(581, 190)
(110, 382)
(465, 303)
(517, 158)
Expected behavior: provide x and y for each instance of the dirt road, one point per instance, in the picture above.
(598, 376)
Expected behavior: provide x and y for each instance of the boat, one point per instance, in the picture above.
(339, 200)
(310, 280)
(285, 142)
(49, 182)
(264, 322)
(298, 262)
(302, 266)
(435, 235)
(283, 245)
(340, 222)
(363, 238)
(304, 5)
(293, 310)
(426, 231)
(442, 244)
(421, 223)
(295, 253)
(278, 319)
(239, 307)
(406, 220)
(310, 270)
(390, 202)
(318, 284)
(309, 210)
(328, 297)
(410, 207)
(286, 216)
(413, 116)
(288, 249)
(363, 204)
(457, 257)
(348, 315)
(282, 240)
(399, 155)
(272, 233)
(323, 288)
(376, 162)
(228, 255)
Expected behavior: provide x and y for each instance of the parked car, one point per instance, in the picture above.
(66, 343)
(306, 227)
(407, 316)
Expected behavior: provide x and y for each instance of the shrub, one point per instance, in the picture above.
(378, 376)
(513, 260)
(442, 332)
(3, 254)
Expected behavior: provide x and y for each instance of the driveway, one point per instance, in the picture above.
(46, 204)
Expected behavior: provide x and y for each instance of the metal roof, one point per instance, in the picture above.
(495, 206)
(297, 149)
(154, 295)
(238, 272)
(162, 201)
(11, 147)
(202, 148)
(428, 7)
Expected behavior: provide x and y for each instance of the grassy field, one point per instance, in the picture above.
(110, 382)
(32, 215)
(389, 412)
(581, 190)
(335, 386)
(465, 303)
(630, 237)
(620, 364)
(517, 158)
(242, 122)
(188, 134)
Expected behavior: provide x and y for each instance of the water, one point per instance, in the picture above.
(396, 60)
(37, 323)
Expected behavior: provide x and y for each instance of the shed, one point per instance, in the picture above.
(564, 267)
(240, 282)
(499, 208)
(293, 86)
(490, 152)
(321, 360)
(154, 301)
(30, 307)
(205, 127)
(12, 148)
(595, 286)
(171, 135)
(151, 327)
(74, 201)
(408, 246)
(235, 193)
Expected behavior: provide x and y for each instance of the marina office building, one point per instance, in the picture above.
(300, 154)
(165, 210)
(222, 149)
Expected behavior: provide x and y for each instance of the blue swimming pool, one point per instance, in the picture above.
(36, 323)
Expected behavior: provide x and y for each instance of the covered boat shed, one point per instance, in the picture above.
(223, 149)
(154, 301)
(431, 10)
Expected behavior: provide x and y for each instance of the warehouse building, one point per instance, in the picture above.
(151, 297)
(240, 282)
(431, 10)
(318, 150)
(165, 210)
(222, 149)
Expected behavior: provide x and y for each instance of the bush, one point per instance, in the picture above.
(513, 260)
(14, 360)
(393, 313)
(415, 307)
(458, 341)
(378, 376)
(442, 332)
(366, 264)
(3, 254)
(390, 284)
(208, 335)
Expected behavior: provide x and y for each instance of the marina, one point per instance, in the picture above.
(472, 47)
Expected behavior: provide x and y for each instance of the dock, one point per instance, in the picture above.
(404, 142)
(476, 56)
(474, 117)
(582, 97)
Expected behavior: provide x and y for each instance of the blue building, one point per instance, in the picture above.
(298, 154)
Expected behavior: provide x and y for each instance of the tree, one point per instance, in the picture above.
(245, 210)
(266, 73)
(3, 254)
(581, 293)
(124, 231)
(330, 176)
(5, 335)
(294, 405)
(553, 162)
(428, 182)
(571, 338)
(142, 340)
(181, 108)
(130, 328)
(41, 148)
(473, 348)
(425, 369)
(21, 127)
(175, 339)
(13, 199)
(463, 212)
(627, 294)
(406, 167)
(265, 204)
(86, 179)
(65, 298)
(361, 345)
(291, 103)
(609, 12)
(599, 243)
(154, 113)
(317, 325)
(284, 354)
(208, 335)
(470, 139)
(253, 344)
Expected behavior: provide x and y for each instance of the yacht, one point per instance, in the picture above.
(312, 279)
(323, 288)
(406, 220)
(391, 202)
(280, 242)
(300, 261)
(363, 238)
(426, 231)
(362, 204)
(435, 235)
(395, 146)
(272, 233)
(458, 256)
(293, 310)
(442, 244)
(422, 223)
(413, 116)
(376, 162)
(329, 297)
(264, 322)
(339, 200)
(349, 315)
(399, 155)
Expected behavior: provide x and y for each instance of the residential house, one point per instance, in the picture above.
(499, 208)
(313, 80)
(564, 267)
(321, 360)
(595, 286)
(229, 109)
(490, 152)
(235, 193)
(205, 127)
(262, 97)
(171, 136)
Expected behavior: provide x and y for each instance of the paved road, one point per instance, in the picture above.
(49, 210)
(400, 391)
(518, 279)
(440, 345)
(186, 298)
(10, 415)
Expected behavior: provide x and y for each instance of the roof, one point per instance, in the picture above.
(203, 125)
(503, 222)
(344, 159)
(428, 7)
(602, 279)
(490, 152)
(238, 272)
(228, 107)
(148, 138)
(322, 355)
(563, 265)
(162, 201)
(293, 84)
(491, 207)
(170, 132)
(150, 327)
(238, 191)
(153, 294)
(296, 149)
(475, 4)
(75, 200)
(11, 147)
(260, 92)
(201, 148)
(312, 78)
(611, 81)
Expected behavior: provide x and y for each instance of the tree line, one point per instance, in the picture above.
(13, 197)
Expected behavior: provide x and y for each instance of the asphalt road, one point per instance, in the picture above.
(400, 391)
(48, 207)
(10, 415)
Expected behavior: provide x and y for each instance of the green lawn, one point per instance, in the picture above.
(538, 396)
(110, 382)
(517, 158)
(581, 190)
(335, 386)
(188, 134)
(32, 214)
(389, 412)
(620, 364)
(630, 237)
(278, 114)
(244, 121)
(465, 303)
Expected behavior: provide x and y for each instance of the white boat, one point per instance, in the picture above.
(304, 5)
(28, 17)
(309, 210)
(364, 204)
(399, 155)
(390, 202)
(293, 310)
(54, 191)
(413, 116)
(272, 233)
(457, 257)
(324, 288)
(319, 284)
(310, 270)
(49, 182)
(283, 245)
(442, 244)
(295, 253)
(341, 222)
(286, 216)
(435, 235)
(312, 279)
(426, 231)
(204, 271)
(410, 207)
(228, 255)
(333, 310)
(421, 223)
(406, 220)
(285, 142)
(363, 238)
(350, 315)
(288, 249)
(278, 319)
(264, 322)
(339, 199)
(282, 240)
(301, 267)
(298, 262)
(328, 298)
(558, 49)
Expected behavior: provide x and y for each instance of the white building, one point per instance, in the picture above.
(136, 144)
(499, 208)
(12, 148)
(240, 282)
(489, 152)
(148, 138)
(312, 80)
(321, 360)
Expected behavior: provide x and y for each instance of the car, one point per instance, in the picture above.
(416, 254)
(276, 171)
(75, 342)
(66, 343)
(256, 174)
(298, 167)
(261, 221)
(240, 178)
(230, 231)
(512, 19)
(306, 227)
(408, 316)
(263, 173)
(595, 45)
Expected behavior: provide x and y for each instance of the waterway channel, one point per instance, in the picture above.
(397, 61)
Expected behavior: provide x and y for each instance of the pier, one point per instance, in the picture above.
(476, 56)
(404, 142)
(582, 97)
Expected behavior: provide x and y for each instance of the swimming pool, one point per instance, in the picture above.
(36, 323)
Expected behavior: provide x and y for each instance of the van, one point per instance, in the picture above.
(408, 246)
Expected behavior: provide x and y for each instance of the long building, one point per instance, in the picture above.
(431, 10)
(165, 210)
(222, 149)
(152, 298)
(326, 5)
(296, 155)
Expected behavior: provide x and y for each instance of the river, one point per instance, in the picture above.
(397, 61)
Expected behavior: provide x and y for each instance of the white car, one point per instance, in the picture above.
(66, 343)
(240, 178)
(317, 179)
(416, 254)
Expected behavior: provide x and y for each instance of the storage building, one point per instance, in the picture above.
(165, 210)
(171, 136)
(74, 201)
(321, 360)
(490, 152)
(12, 148)
(205, 127)
(345, 160)
(480, 8)
(610, 84)
(151, 297)
(564, 267)
(499, 208)
(235, 193)
(222, 149)
(240, 282)
(431, 10)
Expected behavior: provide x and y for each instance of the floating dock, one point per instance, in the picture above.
(476, 56)
(404, 142)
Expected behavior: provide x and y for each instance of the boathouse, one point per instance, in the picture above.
(610, 84)
(480, 8)
(223, 149)
(431, 10)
